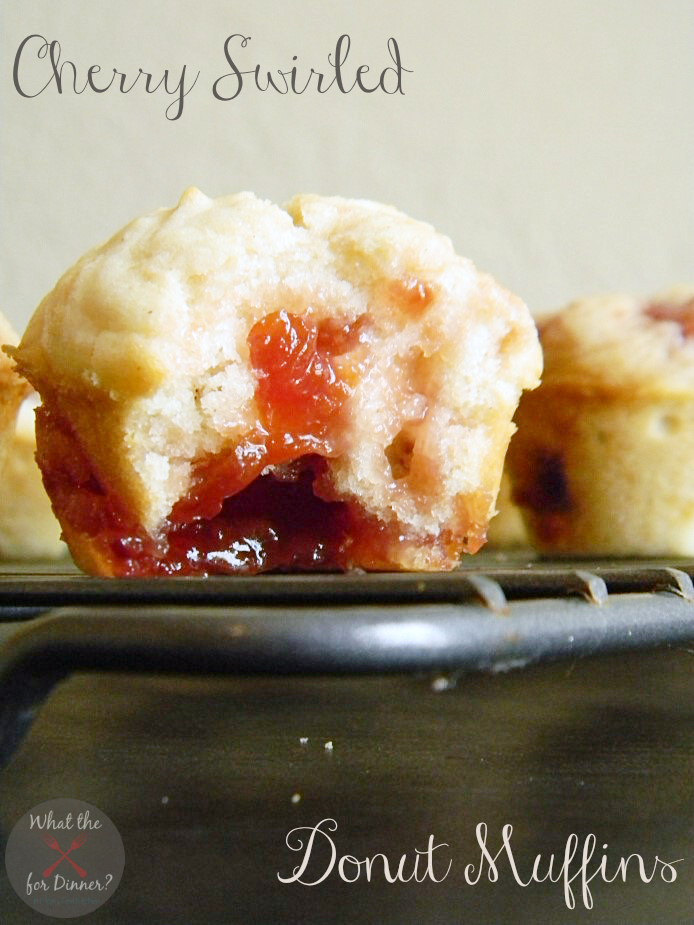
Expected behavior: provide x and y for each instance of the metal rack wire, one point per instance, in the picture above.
(493, 615)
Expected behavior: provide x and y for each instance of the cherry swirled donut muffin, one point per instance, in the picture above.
(231, 386)
(602, 461)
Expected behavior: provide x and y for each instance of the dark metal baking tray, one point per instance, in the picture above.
(494, 613)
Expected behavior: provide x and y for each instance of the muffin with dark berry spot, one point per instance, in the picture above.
(602, 461)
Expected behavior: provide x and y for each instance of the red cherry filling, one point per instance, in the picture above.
(241, 514)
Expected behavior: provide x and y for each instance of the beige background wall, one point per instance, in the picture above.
(552, 140)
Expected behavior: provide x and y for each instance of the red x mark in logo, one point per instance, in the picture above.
(52, 843)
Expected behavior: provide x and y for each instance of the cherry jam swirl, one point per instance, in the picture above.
(258, 505)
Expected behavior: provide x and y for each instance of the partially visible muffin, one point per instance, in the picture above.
(507, 529)
(28, 528)
(602, 461)
(12, 390)
(231, 386)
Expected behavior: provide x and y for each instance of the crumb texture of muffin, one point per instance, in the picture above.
(602, 461)
(12, 390)
(232, 386)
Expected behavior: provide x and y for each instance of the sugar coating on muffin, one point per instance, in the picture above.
(233, 386)
(601, 463)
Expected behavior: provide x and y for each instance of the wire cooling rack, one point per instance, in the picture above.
(492, 614)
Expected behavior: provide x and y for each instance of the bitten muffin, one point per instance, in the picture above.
(12, 391)
(28, 528)
(602, 461)
(231, 386)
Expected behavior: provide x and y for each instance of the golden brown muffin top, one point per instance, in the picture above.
(618, 345)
